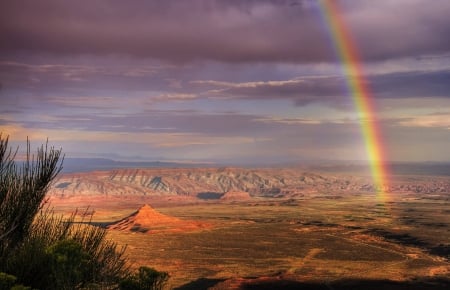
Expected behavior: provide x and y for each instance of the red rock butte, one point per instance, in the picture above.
(149, 220)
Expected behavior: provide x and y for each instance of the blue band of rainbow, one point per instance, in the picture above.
(359, 89)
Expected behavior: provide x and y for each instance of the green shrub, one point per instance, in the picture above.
(50, 252)
(36, 245)
(7, 281)
(23, 186)
(20, 287)
(145, 278)
(69, 264)
(62, 254)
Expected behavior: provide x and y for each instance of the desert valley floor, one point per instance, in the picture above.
(235, 228)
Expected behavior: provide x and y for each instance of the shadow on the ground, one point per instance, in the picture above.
(442, 250)
(435, 284)
(199, 284)
(275, 283)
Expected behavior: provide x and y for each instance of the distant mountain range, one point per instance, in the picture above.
(220, 183)
(396, 168)
(72, 165)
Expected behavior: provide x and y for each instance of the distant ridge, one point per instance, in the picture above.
(91, 164)
(147, 220)
(213, 183)
(72, 165)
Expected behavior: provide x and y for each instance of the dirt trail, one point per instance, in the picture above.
(298, 263)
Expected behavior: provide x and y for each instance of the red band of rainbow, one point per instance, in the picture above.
(360, 92)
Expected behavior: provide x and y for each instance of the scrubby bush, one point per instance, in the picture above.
(7, 281)
(145, 278)
(40, 249)
(23, 186)
(20, 287)
(69, 263)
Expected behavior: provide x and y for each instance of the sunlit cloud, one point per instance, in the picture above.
(441, 120)
(288, 121)
(174, 97)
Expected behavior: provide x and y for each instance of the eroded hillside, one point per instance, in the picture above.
(212, 183)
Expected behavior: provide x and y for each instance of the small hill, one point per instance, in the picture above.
(147, 220)
(235, 195)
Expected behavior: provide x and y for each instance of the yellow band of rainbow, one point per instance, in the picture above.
(360, 92)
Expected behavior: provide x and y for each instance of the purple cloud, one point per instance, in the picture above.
(228, 31)
(210, 79)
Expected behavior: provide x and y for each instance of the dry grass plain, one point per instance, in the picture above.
(319, 242)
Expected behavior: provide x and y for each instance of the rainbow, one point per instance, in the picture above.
(359, 89)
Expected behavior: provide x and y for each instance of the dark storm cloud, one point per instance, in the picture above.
(173, 30)
(387, 29)
(229, 31)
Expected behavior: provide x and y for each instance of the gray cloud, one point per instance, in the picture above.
(303, 90)
(207, 79)
(412, 84)
(232, 137)
(333, 90)
(229, 31)
(90, 73)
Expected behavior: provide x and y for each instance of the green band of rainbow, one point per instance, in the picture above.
(360, 92)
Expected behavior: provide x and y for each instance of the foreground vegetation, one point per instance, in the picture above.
(39, 250)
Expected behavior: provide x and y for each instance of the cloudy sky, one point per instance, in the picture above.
(222, 81)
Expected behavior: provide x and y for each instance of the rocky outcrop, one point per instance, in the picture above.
(235, 196)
